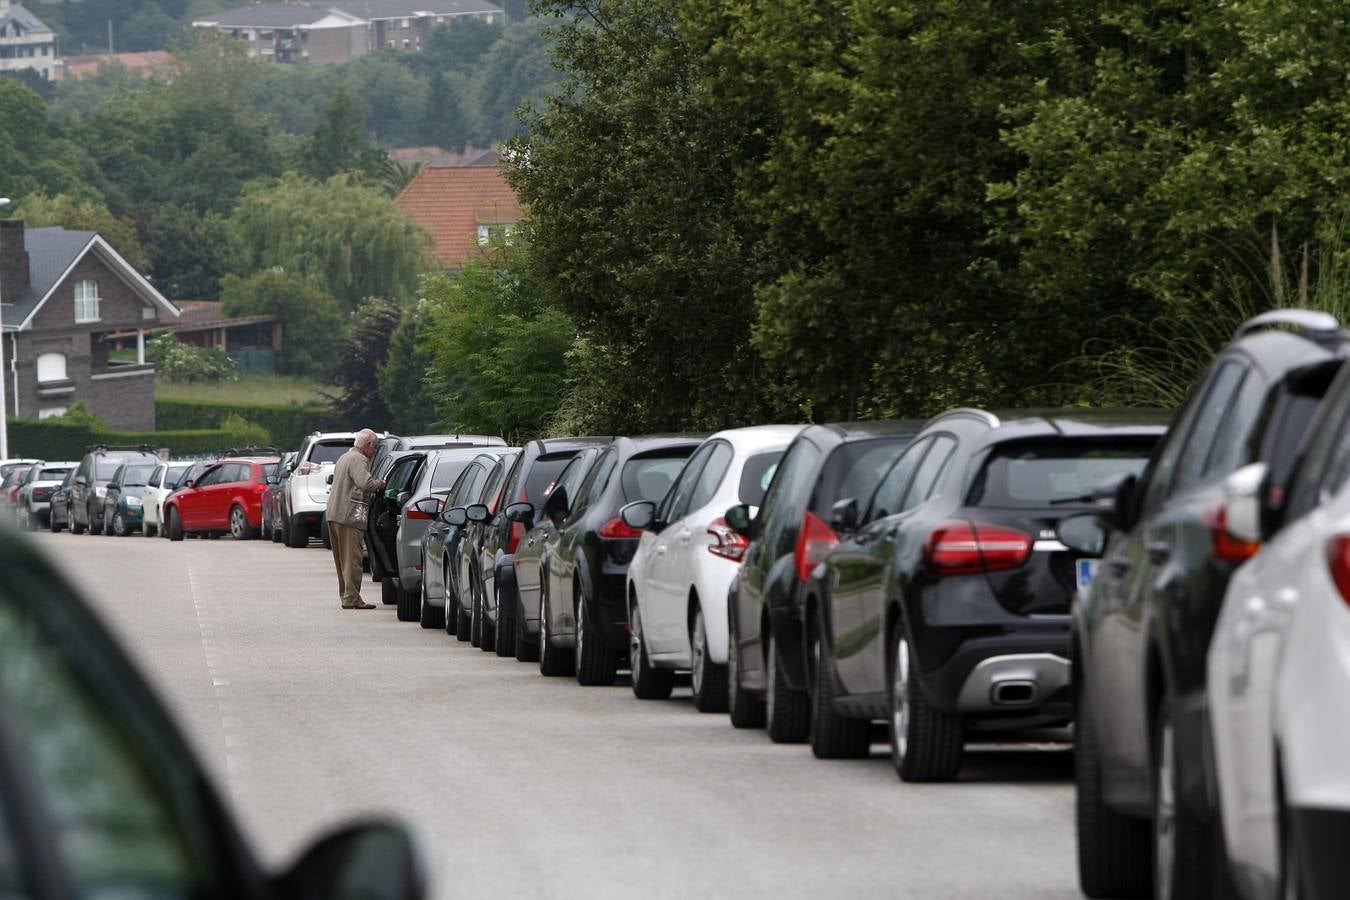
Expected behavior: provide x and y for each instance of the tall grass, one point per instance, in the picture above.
(258, 388)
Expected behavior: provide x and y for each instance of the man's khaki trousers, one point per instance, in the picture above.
(346, 544)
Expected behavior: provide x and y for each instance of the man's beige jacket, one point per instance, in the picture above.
(353, 483)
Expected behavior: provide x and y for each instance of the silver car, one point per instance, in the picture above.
(33, 509)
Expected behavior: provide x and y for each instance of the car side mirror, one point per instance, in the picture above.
(844, 515)
(428, 506)
(640, 514)
(557, 504)
(454, 516)
(271, 479)
(365, 861)
(738, 519)
(1243, 512)
(477, 512)
(522, 512)
(329, 479)
(189, 482)
(1113, 503)
(401, 498)
(1083, 533)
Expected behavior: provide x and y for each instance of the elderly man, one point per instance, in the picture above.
(348, 503)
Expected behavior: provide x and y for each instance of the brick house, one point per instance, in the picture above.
(465, 208)
(25, 42)
(63, 297)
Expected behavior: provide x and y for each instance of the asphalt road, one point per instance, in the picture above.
(519, 785)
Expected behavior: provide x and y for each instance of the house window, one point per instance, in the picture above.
(405, 43)
(51, 367)
(51, 411)
(495, 234)
(405, 23)
(86, 301)
(147, 312)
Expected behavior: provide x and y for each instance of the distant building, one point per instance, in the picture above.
(335, 32)
(465, 208)
(149, 62)
(437, 156)
(25, 42)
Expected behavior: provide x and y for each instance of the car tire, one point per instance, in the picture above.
(463, 620)
(487, 631)
(552, 660)
(1183, 846)
(54, 525)
(175, 525)
(407, 601)
(475, 618)
(277, 534)
(119, 526)
(926, 744)
(240, 529)
(297, 537)
(95, 526)
(649, 682)
(429, 616)
(787, 713)
(595, 663)
(505, 632)
(1114, 853)
(149, 530)
(449, 609)
(833, 736)
(389, 592)
(744, 708)
(323, 535)
(708, 679)
(527, 650)
(76, 527)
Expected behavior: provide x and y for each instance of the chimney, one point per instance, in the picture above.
(14, 274)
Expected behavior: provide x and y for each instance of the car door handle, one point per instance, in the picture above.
(1159, 552)
(685, 536)
(660, 551)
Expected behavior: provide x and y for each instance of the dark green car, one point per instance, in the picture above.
(124, 500)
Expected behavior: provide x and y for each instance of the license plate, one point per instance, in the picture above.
(1087, 570)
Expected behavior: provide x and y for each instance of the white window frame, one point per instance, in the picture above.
(84, 302)
(47, 366)
(49, 412)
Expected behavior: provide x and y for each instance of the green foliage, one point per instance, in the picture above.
(190, 251)
(56, 438)
(403, 379)
(185, 362)
(38, 210)
(498, 347)
(348, 239)
(339, 144)
(356, 368)
(312, 319)
(286, 424)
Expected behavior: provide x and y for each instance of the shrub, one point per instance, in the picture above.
(184, 362)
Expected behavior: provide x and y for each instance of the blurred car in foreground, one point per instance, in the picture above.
(9, 491)
(101, 796)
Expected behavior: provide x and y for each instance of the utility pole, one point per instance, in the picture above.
(4, 424)
(110, 41)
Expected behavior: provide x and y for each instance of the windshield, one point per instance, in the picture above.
(1041, 473)
(542, 474)
(52, 473)
(174, 475)
(137, 476)
(756, 475)
(105, 469)
(329, 452)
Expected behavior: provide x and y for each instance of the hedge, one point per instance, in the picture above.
(62, 440)
(286, 424)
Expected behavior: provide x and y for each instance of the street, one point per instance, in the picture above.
(519, 785)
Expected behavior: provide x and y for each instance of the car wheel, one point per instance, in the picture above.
(745, 709)
(505, 632)
(649, 682)
(119, 525)
(1113, 850)
(388, 592)
(95, 525)
(833, 736)
(148, 530)
(475, 618)
(526, 650)
(297, 534)
(76, 527)
(407, 601)
(175, 525)
(926, 744)
(427, 615)
(709, 679)
(324, 537)
(552, 660)
(240, 529)
(596, 663)
(787, 713)
(54, 525)
(463, 619)
(487, 631)
(277, 534)
(1183, 849)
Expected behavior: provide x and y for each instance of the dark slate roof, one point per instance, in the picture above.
(289, 15)
(274, 15)
(50, 252)
(401, 9)
(27, 22)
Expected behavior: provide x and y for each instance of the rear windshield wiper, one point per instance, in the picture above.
(1085, 498)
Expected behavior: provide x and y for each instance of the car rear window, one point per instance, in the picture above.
(53, 473)
(446, 471)
(330, 451)
(756, 475)
(105, 469)
(542, 474)
(649, 476)
(137, 476)
(1040, 473)
(174, 475)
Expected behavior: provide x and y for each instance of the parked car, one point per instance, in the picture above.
(35, 494)
(393, 443)
(766, 601)
(9, 491)
(226, 497)
(58, 518)
(418, 509)
(96, 469)
(272, 518)
(190, 474)
(1142, 629)
(400, 471)
(8, 465)
(163, 481)
(126, 809)
(124, 500)
(686, 559)
(529, 556)
(583, 615)
(1278, 665)
(440, 544)
(471, 544)
(305, 495)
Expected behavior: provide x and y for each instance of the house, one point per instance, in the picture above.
(63, 296)
(149, 62)
(25, 42)
(438, 156)
(465, 208)
(335, 32)
(251, 341)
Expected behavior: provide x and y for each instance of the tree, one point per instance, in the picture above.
(149, 28)
(403, 379)
(312, 320)
(516, 70)
(39, 210)
(498, 347)
(445, 124)
(189, 251)
(350, 240)
(359, 358)
(340, 144)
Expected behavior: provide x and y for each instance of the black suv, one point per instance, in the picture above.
(944, 609)
(90, 486)
(766, 649)
(1142, 630)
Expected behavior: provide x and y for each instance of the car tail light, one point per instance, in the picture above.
(1338, 560)
(727, 543)
(517, 531)
(618, 529)
(308, 468)
(1223, 545)
(814, 542)
(968, 548)
(413, 512)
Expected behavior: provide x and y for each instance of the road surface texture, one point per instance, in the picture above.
(518, 785)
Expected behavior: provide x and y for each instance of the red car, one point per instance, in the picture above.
(225, 497)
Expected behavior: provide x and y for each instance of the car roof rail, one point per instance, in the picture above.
(971, 412)
(250, 450)
(106, 448)
(1309, 323)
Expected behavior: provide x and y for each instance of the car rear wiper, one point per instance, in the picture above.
(1085, 498)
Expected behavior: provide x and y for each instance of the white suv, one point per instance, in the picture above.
(304, 496)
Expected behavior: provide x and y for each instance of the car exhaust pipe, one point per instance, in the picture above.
(1014, 692)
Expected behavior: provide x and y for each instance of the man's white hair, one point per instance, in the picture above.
(366, 438)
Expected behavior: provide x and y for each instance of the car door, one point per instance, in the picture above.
(529, 555)
(565, 547)
(387, 509)
(662, 560)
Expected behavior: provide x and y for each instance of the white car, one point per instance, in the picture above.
(166, 477)
(1279, 683)
(686, 559)
(305, 488)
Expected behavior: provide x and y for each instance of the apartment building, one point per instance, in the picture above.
(25, 41)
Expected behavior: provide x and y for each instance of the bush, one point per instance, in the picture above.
(184, 362)
(57, 439)
(286, 424)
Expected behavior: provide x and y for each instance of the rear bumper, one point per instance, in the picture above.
(1321, 836)
(612, 608)
(789, 638)
(1005, 675)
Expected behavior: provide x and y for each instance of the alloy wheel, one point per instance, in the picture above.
(635, 642)
(699, 652)
(1164, 813)
(119, 526)
(899, 694)
(581, 635)
(236, 523)
(770, 677)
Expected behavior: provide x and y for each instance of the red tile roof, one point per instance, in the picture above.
(145, 62)
(452, 201)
